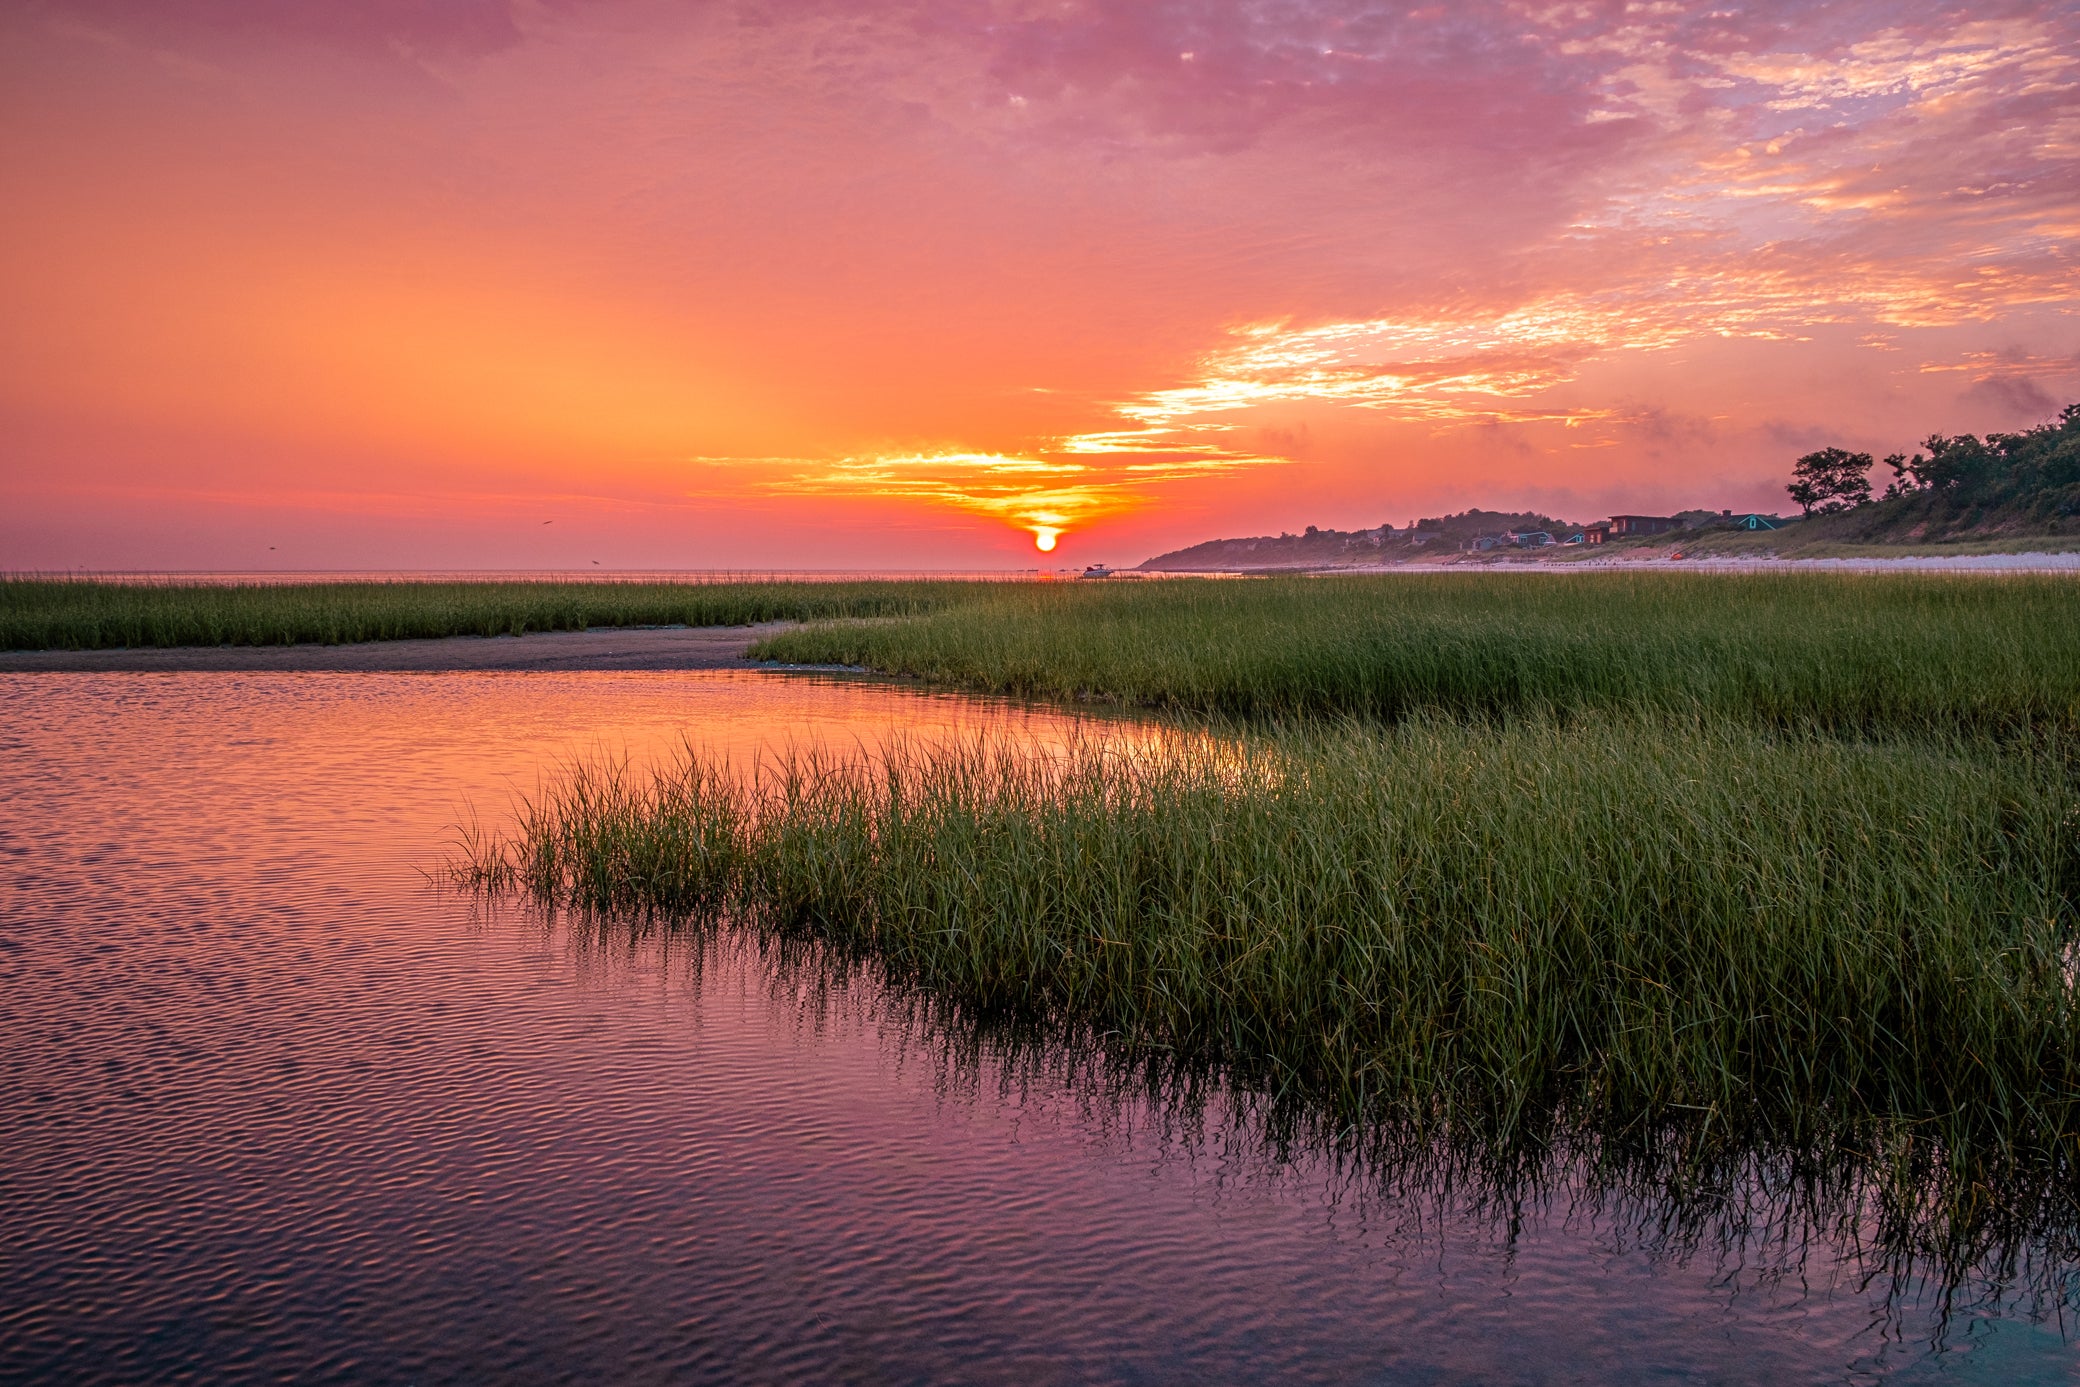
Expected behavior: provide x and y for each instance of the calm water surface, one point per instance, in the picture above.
(275, 1107)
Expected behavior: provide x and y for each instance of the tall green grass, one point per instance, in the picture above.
(1707, 875)
(1614, 921)
(1851, 653)
(67, 615)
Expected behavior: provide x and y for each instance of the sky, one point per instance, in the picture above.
(967, 284)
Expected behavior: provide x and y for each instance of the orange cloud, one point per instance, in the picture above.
(988, 272)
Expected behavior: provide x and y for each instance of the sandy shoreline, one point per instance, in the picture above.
(1910, 563)
(603, 648)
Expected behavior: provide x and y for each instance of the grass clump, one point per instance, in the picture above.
(83, 615)
(1844, 653)
(1612, 922)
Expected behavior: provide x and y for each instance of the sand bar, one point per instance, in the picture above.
(602, 648)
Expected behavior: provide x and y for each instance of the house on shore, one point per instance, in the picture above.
(1634, 526)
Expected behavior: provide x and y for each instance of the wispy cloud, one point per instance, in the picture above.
(567, 240)
(1046, 495)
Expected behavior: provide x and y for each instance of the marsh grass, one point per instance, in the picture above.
(1714, 884)
(1859, 654)
(1631, 927)
(69, 615)
(1749, 989)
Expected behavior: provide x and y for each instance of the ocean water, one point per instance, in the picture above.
(274, 1104)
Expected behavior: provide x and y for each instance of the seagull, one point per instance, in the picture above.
(548, 522)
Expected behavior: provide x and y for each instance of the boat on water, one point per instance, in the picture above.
(1097, 570)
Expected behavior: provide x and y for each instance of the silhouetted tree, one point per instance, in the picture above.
(1905, 481)
(1830, 480)
(2004, 482)
(1962, 463)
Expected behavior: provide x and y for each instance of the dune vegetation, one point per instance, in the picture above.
(1963, 488)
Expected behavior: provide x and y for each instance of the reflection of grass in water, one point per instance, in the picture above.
(66, 615)
(1845, 1216)
(1697, 949)
(1842, 652)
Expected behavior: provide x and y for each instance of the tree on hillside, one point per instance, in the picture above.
(2040, 466)
(2004, 483)
(1905, 481)
(1962, 463)
(1830, 480)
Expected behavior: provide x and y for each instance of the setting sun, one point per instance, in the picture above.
(1044, 538)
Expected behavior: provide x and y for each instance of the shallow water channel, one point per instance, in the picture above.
(275, 1106)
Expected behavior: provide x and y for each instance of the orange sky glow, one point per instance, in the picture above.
(949, 283)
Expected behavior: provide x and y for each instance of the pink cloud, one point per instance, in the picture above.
(1398, 258)
(436, 27)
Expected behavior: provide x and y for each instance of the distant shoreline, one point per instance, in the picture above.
(1661, 563)
(611, 648)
